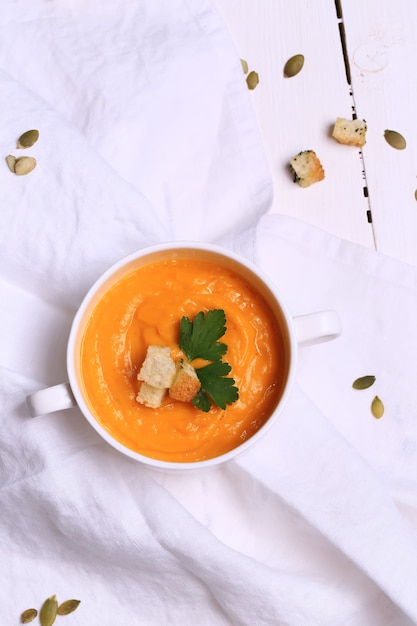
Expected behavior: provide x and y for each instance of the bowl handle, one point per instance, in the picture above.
(317, 327)
(51, 399)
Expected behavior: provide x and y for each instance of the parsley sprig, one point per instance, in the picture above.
(200, 339)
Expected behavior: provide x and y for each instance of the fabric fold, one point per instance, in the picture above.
(321, 476)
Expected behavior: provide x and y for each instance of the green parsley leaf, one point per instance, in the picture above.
(215, 385)
(201, 401)
(199, 339)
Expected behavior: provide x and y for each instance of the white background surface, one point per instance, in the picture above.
(298, 113)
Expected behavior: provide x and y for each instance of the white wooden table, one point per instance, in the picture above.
(360, 58)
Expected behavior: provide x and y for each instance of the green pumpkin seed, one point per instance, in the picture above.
(252, 79)
(24, 165)
(395, 140)
(28, 616)
(363, 382)
(245, 66)
(28, 139)
(68, 607)
(48, 611)
(294, 65)
(11, 160)
(377, 407)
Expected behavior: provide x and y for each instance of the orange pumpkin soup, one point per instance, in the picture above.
(145, 308)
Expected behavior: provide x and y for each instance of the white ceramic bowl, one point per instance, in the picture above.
(311, 328)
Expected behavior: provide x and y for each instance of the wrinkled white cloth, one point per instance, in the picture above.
(147, 134)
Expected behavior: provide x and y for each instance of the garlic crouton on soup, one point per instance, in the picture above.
(186, 383)
(151, 397)
(158, 368)
(157, 373)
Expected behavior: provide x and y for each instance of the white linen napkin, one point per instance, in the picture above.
(147, 133)
(329, 495)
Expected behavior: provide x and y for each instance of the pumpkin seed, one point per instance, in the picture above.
(395, 140)
(28, 616)
(48, 611)
(11, 160)
(252, 79)
(245, 66)
(294, 65)
(24, 165)
(68, 607)
(415, 194)
(377, 407)
(28, 139)
(363, 382)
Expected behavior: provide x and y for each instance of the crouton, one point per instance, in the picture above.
(306, 168)
(158, 368)
(186, 383)
(150, 396)
(350, 132)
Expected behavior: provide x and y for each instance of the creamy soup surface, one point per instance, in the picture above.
(145, 308)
